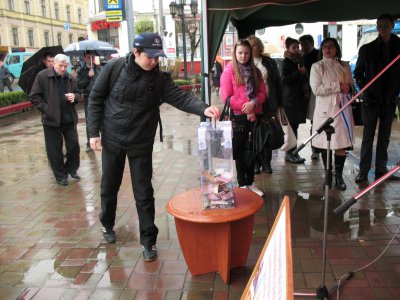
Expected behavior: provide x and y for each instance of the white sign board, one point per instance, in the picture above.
(272, 277)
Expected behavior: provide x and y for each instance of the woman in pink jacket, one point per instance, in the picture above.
(243, 83)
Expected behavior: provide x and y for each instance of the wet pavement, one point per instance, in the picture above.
(51, 245)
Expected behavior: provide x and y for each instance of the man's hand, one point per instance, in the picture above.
(95, 143)
(91, 73)
(212, 112)
(70, 97)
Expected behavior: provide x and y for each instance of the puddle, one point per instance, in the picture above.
(308, 218)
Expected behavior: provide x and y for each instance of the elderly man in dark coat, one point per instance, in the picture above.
(55, 94)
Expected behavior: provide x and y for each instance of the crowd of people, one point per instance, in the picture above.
(122, 99)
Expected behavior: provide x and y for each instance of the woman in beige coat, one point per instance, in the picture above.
(331, 82)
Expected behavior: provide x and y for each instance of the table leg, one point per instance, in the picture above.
(216, 247)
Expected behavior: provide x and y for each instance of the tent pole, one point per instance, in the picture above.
(205, 62)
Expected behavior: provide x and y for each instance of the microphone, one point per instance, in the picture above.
(344, 206)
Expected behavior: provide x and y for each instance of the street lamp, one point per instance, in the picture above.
(178, 9)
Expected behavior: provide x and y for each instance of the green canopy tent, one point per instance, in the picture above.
(248, 16)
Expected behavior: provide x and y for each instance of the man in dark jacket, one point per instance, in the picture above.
(380, 98)
(4, 78)
(126, 113)
(309, 55)
(55, 94)
(86, 77)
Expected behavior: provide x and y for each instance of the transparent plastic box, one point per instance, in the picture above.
(216, 164)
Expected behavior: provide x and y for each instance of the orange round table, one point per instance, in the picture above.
(214, 240)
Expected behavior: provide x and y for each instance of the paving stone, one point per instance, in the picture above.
(51, 245)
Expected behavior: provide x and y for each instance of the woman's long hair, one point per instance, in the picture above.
(256, 71)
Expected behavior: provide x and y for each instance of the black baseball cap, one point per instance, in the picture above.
(151, 43)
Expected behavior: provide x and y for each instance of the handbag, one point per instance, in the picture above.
(356, 107)
(268, 133)
(241, 142)
(290, 140)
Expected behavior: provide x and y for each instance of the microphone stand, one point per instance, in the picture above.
(322, 291)
(346, 205)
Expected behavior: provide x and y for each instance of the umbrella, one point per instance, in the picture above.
(100, 48)
(34, 65)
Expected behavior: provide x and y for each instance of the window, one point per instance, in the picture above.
(43, 5)
(109, 35)
(15, 36)
(14, 60)
(46, 39)
(79, 16)
(59, 38)
(27, 7)
(11, 5)
(101, 5)
(68, 13)
(71, 38)
(30, 38)
(56, 11)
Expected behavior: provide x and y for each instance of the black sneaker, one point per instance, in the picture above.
(109, 235)
(149, 254)
(88, 149)
(75, 176)
(62, 181)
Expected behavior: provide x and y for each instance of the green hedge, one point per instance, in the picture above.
(11, 98)
(182, 82)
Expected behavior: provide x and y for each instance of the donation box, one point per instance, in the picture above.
(216, 164)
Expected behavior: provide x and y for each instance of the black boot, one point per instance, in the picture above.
(339, 164)
(266, 168)
(257, 168)
(329, 169)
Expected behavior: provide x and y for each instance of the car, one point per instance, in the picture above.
(14, 62)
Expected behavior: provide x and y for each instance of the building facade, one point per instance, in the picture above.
(27, 25)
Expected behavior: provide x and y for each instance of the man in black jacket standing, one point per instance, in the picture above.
(55, 94)
(127, 114)
(380, 98)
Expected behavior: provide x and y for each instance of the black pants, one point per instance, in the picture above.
(53, 137)
(85, 106)
(141, 169)
(245, 174)
(371, 114)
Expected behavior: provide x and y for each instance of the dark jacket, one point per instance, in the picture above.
(295, 98)
(86, 83)
(370, 62)
(4, 72)
(45, 95)
(309, 59)
(274, 85)
(127, 114)
(216, 74)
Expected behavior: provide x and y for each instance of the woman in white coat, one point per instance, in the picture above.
(331, 82)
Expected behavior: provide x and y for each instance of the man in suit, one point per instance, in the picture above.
(380, 98)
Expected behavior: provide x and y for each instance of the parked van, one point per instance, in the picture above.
(14, 62)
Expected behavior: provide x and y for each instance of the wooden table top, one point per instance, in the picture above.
(188, 206)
